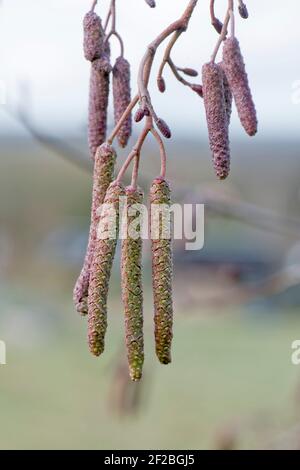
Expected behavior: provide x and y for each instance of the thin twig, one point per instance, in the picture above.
(122, 119)
(224, 30)
(163, 155)
(94, 5)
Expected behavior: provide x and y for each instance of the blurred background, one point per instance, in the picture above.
(232, 384)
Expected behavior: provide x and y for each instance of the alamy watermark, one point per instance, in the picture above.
(295, 358)
(2, 353)
(160, 221)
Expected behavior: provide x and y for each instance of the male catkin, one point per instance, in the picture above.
(103, 175)
(104, 252)
(98, 102)
(132, 289)
(122, 98)
(216, 116)
(93, 36)
(162, 268)
(236, 74)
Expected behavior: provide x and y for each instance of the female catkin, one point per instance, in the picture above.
(162, 267)
(122, 98)
(103, 175)
(104, 252)
(132, 289)
(216, 116)
(236, 74)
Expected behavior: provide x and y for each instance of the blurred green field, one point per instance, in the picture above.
(227, 371)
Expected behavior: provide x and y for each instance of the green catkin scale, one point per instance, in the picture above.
(103, 175)
(162, 269)
(104, 252)
(132, 289)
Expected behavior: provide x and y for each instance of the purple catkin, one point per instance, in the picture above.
(198, 89)
(104, 252)
(98, 102)
(151, 3)
(243, 11)
(139, 115)
(190, 72)
(216, 116)
(122, 98)
(161, 84)
(164, 128)
(93, 36)
(162, 268)
(103, 175)
(236, 74)
(132, 288)
(218, 25)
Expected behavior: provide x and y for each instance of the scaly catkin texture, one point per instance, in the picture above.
(162, 269)
(236, 74)
(93, 36)
(103, 175)
(98, 102)
(100, 272)
(216, 116)
(132, 289)
(122, 98)
(227, 94)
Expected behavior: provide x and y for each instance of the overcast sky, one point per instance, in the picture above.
(41, 43)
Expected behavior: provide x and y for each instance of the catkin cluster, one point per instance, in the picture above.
(103, 175)
(132, 289)
(162, 267)
(221, 83)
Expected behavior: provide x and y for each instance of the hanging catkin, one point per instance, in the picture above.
(93, 36)
(216, 116)
(162, 267)
(132, 289)
(100, 272)
(98, 102)
(103, 175)
(236, 74)
(122, 98)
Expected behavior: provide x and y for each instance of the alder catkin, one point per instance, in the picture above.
(103, 175)
(234, 67)
(104, 252)
(93, 36)
(216, 116)
(164, 128)
(227, 94)
(122, 98)
(162, 268)
(98, 102)
(132, 289)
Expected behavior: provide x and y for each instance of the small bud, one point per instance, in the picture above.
(198, 89)
(139, 115)
(161, 84)
(151, 3)
(164, 128)
(243, 10)
(218, 25)
(190, 72)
